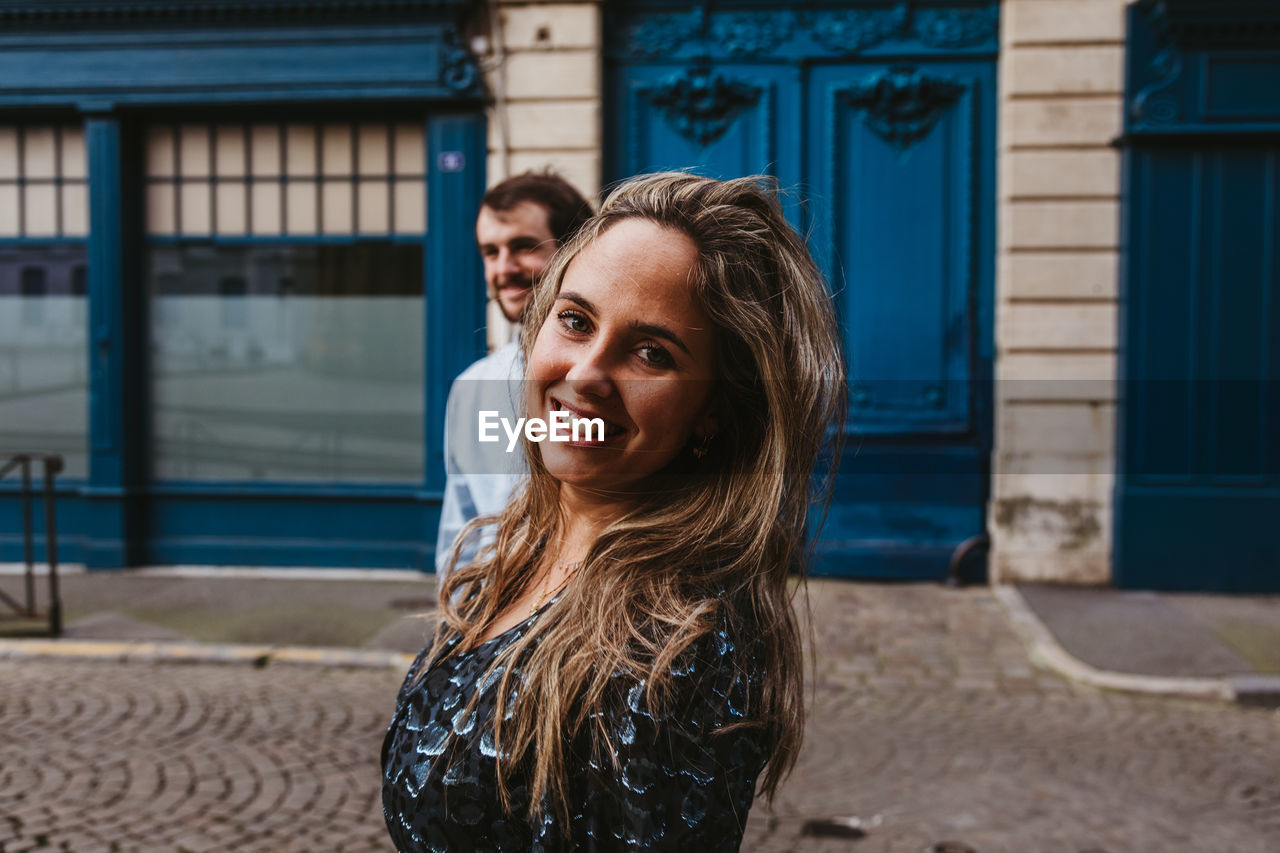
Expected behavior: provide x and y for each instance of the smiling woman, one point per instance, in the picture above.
(626, 342)
(622, 664)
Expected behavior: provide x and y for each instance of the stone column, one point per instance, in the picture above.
(1061, 84)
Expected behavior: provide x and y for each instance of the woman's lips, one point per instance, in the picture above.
(613, 433)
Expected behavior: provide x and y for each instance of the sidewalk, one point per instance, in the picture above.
(1202, 646)
(322, 616)
(1184, 644)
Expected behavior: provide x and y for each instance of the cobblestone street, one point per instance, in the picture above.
(928, 725)
(929, 722)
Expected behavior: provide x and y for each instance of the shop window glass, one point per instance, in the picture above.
(43, 283)
(286, 278)
(34, 289)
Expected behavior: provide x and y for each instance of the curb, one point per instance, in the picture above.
(41, 570)
(230, 653)
(1257, 691)
(1045, 651)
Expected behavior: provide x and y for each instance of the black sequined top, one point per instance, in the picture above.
(681, 784)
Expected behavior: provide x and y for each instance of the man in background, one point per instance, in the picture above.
(522, 221)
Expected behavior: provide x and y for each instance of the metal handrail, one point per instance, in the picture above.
(53, 464)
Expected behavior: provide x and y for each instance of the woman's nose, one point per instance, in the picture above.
(591, 372)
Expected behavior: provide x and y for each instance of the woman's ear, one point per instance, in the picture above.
(707, 424)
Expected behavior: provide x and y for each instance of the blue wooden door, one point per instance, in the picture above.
(1198, 496)
(1200, 488)
(880, 124)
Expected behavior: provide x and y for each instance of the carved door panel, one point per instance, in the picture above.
(721, 121)
(900, 191)
(880, 123)
(893, 164)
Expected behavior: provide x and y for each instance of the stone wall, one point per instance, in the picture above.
(1061, 82)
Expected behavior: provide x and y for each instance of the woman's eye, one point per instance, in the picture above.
(573, 321)
(656, 356)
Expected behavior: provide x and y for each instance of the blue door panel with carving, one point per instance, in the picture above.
(880, 123)
(898, 199)
(739, 138)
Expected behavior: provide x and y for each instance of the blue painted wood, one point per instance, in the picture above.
(664, 130)
(880, 121)
(72, 510)
(106, 308)
(241, 524)
(134, 13)
(1198, 492)
(455, 319)
(1207, 68)
(815, 30)
(134, 65)
(235, 64)
(239, 529)
(1214, 541)
(117, 336)
(899, 251)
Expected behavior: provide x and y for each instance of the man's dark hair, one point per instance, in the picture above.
(565, 206)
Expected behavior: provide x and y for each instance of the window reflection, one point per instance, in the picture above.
(43, 361)
(288, 362)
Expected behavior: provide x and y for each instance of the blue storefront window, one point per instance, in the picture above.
(266, 321)
(285, 265)
(43, 377)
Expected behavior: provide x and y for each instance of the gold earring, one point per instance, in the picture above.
(701, 448)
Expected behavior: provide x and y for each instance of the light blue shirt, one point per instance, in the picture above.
(481, 477)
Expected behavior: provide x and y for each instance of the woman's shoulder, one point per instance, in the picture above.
(725, 645)
(714, 681)
(682, 761)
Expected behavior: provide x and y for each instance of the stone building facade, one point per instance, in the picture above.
(236, 282)
(1059, 172)
(1051, 508)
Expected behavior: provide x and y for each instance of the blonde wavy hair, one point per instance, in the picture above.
(713, 543)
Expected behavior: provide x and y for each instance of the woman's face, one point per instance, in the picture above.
(625, 342)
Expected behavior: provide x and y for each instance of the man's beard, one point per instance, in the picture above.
(527, 290)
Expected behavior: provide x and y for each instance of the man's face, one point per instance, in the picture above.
(516, 245)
